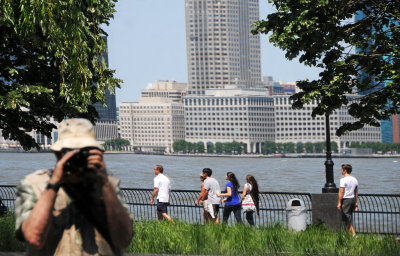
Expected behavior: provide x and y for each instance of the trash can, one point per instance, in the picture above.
(296, 214)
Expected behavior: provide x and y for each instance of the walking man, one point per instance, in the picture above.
(162, 190)
(348, 195)
(211, 189)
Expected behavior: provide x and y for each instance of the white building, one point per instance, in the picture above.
(297, 125)
(157, 120)
(220, 48)
(242, 115)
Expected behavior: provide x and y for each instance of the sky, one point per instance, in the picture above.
(147, 43)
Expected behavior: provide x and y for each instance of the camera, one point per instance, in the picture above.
(78, 162)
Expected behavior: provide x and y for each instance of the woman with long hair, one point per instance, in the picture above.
(232, 202)
(250, 198)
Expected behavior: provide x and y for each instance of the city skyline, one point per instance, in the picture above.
(145, 48)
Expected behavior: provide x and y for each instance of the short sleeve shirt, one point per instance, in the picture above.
(212, 186)
(64, 237)
(234, 198)
(162, 183)
(349, 183)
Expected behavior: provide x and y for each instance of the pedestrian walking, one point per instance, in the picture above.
(211, 189)
(348, 196)
(162, 189)
(232, 202)
(250, 199)
(201, 201)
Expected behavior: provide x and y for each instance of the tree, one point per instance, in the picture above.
(324, 34)
(179, 146)
(289, 147)
(51, 64)
(309, 147)
(219, 147)
(320, 147)
(269, 147)
(210, 147)
(116, 144)
(299, 147)
(200, 147)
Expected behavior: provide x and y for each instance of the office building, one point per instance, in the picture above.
(242, 115)
(106, 125)
(297, 125)
(221, 50)
(157, 120)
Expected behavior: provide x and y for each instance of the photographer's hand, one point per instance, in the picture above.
(58, 175)
(96, 163)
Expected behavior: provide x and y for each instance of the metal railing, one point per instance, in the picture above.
(272, 206)
(378, 213)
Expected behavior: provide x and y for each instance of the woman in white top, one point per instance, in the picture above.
(250, 198)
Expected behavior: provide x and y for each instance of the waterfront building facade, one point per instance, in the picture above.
(221, 50)
(297, 125)
(157, 120)
(242, 115)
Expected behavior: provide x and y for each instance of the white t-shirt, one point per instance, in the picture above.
(349, 183)
(162, 183)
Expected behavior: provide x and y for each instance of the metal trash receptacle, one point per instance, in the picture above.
(296, 214)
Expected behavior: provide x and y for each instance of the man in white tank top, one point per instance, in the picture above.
(348, 195)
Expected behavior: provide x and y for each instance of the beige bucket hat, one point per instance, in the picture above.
(76, 133)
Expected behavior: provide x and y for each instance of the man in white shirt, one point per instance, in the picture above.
(162, 190)
(348, 195)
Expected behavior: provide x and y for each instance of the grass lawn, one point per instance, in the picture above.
(153, 237)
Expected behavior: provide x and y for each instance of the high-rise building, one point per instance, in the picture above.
(106, 125)
(109, 112)
(242, 115)
(157, 120)
(220, 48)
(297, 125)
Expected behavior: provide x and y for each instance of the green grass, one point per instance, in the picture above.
(153, 237)
(8, 241)
(181, 238)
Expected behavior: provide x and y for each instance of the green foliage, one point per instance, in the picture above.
(116, 144)
(51, 64)
(8, 241)
(153, 237)
(377, 146)
(219, 147)
(324, 34)
(270, 147)
(181, 238)
(200, 147)
(210, 147)
(228, 147)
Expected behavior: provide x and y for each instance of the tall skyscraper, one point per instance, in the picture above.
(106, 125)
(108, 113)
(221, 50)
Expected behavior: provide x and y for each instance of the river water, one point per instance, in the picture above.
(380, 176)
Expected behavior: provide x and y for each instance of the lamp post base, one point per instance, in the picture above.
(330, 190)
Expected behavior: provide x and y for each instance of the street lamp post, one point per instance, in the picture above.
(330, 186)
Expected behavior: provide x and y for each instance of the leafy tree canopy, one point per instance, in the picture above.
(51, 63)
(356, 55)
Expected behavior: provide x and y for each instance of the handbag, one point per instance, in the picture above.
(248, 204)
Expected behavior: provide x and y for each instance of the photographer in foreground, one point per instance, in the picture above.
(75, 208)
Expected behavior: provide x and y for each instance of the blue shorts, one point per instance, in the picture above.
(162, 207)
